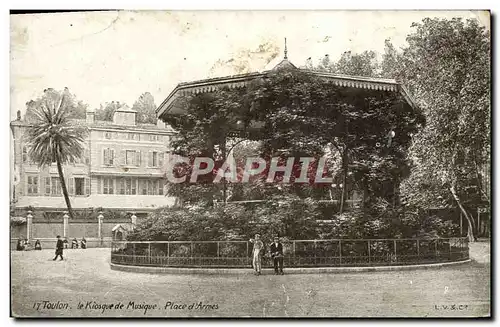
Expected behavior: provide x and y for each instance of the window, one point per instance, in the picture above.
(108, 157)
(32, 185)
(107, 186)
(121, 186)
(132, 158)
(143, 186)
(47, 186)
(155, 159)
(150, 187)
(153, 137)
(55, 186)
(131, 186)
(133, 136)
(107, 135)
(160, 187)
(79, 186)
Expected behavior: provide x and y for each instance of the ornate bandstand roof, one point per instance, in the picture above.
(169, 105)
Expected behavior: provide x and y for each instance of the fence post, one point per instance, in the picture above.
(99, 227)
(395, 251)
(168, 253)
(418, 249)
(65, 224)
(436, 248)
(149, 252)
(133, 251)
(191, 254)
(340, 251)
(314, 252)
(218, 252)
(29, 224)
(369, 252)
(248, 259)
(294, 253)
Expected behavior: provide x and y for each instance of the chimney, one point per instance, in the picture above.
(160, 123)
(90, 116)
(124, 116)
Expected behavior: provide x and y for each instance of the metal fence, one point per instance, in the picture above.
(297, 253)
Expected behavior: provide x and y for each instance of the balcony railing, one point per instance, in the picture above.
(297, 253)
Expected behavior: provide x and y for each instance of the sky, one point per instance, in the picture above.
(117, 56)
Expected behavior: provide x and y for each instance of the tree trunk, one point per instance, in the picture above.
(470, 221)
(480, 183)
(344, 177)
(63, 186)
(224, 185)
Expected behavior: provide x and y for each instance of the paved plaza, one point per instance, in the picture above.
(84, 285)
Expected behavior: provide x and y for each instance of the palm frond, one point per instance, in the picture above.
(53, 134)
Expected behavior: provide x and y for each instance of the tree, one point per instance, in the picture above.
(362, 64)
(76, 108)
(447, 67)
(106, 112)
(53, 137)
(145, 107)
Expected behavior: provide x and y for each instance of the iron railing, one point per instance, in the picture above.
(297, 253)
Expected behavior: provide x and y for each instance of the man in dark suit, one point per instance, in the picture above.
(59, 248)
(277, 255)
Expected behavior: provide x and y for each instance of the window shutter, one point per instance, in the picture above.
(112, 156)
(47, 186)
(87, 186)
(150, 159)
(160, 159)
(124, 157)
(138, 158)
(28, 185)
(104, 157)
(71, 186)
(41, 189)
(99, 189)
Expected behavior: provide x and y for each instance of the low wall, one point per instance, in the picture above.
(97, 233)
(50, 243)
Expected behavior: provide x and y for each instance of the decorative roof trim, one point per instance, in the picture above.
(237, 81)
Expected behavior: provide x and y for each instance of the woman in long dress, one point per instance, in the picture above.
(258, 247)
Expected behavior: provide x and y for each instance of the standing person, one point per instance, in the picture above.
(277, 255)
(59, 248)
(38, 245)
(258, 246)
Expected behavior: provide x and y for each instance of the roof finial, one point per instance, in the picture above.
(286, 51)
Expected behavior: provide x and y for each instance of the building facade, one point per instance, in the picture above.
(121, 169)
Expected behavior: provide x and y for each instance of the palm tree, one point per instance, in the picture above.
(52, 137)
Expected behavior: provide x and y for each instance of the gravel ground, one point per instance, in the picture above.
(83, 285)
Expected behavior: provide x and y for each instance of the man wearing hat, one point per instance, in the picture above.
(258, 246)
(277, 255)
(59, 248)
